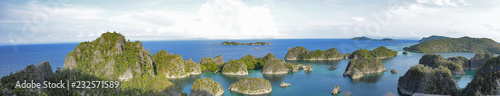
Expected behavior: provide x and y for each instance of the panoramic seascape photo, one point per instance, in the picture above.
(249, 47)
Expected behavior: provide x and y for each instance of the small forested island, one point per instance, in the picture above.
(209, 64)
(364, 61)
(283, 84)
(275, 66)
(252, 86)
(359, 66)
(235, 67)
(370, 39)
(433, 37)
(379, 53)
(206, 87)
(434, 76)
(301, 53)
(478, 60)
(485, 81)
(427, 80)
(174, 66)
(464, 44)
(236, 43)
(435, 61)
(269, 64)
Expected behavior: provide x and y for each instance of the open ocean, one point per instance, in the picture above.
(317, 83)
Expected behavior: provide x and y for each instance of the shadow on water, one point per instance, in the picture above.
(322, 62)
(234, 78)
(369, 78)
(274, 77)
(239, 94)
(182, 82)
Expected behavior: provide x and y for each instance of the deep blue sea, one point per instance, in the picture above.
(317, 83)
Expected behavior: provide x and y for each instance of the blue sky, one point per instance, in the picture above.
(57, 21)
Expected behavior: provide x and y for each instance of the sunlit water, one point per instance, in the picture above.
(316, 83)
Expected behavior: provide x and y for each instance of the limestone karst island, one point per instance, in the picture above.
(250, 48)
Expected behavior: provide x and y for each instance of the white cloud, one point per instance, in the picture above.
(443, 2)
(237, 19)
(358, 19)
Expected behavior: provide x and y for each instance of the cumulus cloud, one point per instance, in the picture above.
(358, 19)
(233, 19)
(453, 3)
(215, 19)
(238, 19)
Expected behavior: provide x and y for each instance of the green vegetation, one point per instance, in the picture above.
(370, 39)
(361, 38)
(109, 56)
(234, 67)
(435, 61)
(251, 62)
(174, 66)
(252, 86)
(359, 66)
(485, 81)
(291, 67)
(274, 66)
(209, 64)
(207, 84)
(380, 52)
(236, 43)
(464, 44)
(301, 53)
(144, 85)
(433, 37)
(428, 80)
(170, 65)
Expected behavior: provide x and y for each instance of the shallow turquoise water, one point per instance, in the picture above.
(317, 83)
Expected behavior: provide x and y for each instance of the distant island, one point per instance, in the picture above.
(301, 53)
(370, 39)
(433, 37)
(236, 43)
(464, 44)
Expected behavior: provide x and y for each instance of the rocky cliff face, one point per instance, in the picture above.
(487, 79)
(209, 64)
(235, 67)
(461, 60)
(427, 80)
(101, 56)
(434, 61)
(192, 68)
(357, 67)
(301, 53)
(274, 66)
(40, 73)
(219, 60)
(479, 59)
(252, 86)
(206, 87)
(174, 66)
